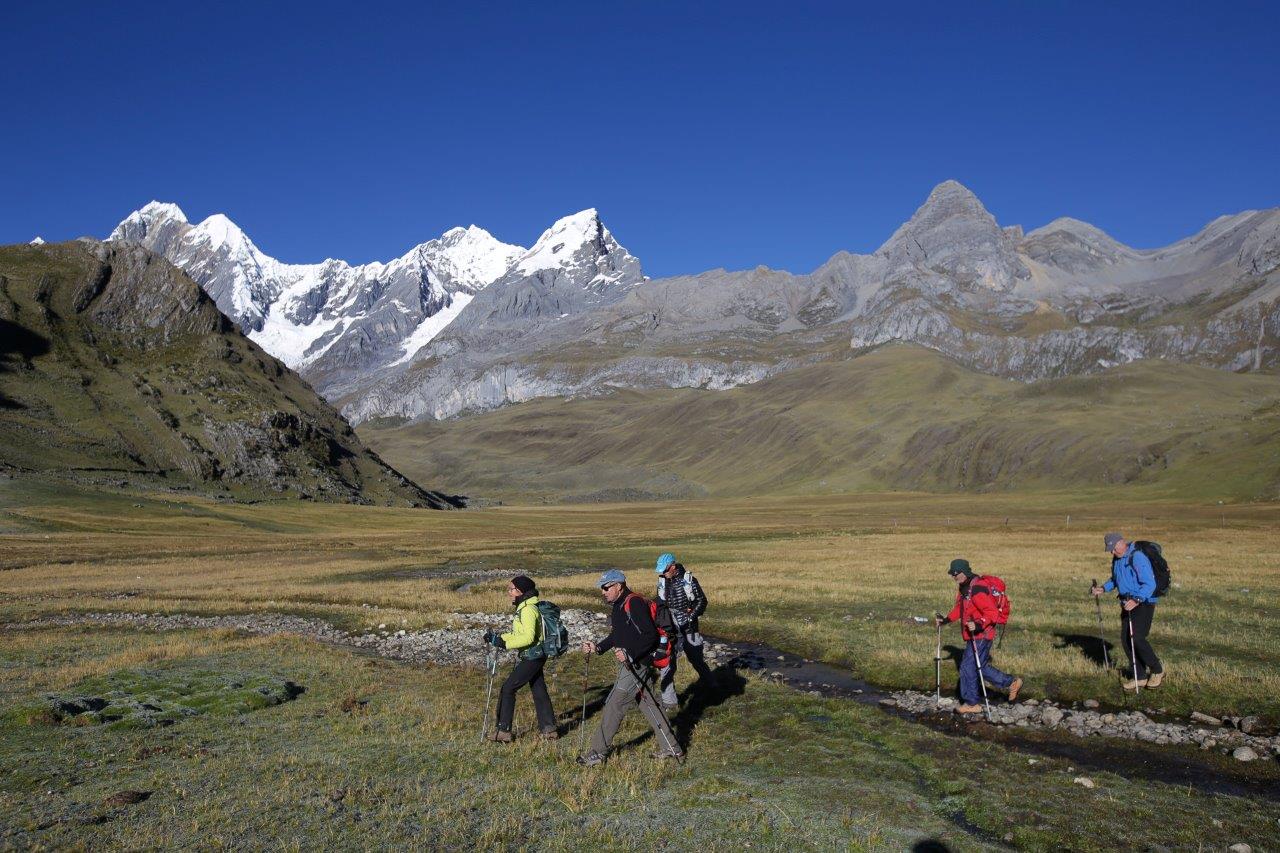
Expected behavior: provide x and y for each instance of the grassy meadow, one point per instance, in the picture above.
(375, 753)
(897, 418)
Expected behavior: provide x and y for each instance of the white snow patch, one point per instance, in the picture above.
(561, 241)
(37, 241)
(473, 257)
(432, 326)
(289, 341)
(154, 210)
(220, 231)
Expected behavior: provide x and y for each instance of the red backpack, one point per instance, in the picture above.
(662, 654)
(996, 587)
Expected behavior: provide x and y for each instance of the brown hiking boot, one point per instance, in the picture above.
(497, 736)
(968, 709)
(1014, 688)
(1154, 679)
(550, 733)
(1134, 685)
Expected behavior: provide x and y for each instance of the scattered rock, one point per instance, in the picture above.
(1248, 724)
(1090, 703)
(1198, 717)
(125, 798)
(1084, 782)
(1244, 753)
(1051, 716)
(1240, 848)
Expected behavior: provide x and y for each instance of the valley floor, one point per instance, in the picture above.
(375, 753)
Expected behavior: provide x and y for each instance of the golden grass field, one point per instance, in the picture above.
(377, 754)
(836, 578)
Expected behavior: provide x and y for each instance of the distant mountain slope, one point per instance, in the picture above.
(900, 417)
(116, 367)
(466, 323)
(1064, 299)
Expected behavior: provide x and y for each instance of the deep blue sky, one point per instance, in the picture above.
(718, 135)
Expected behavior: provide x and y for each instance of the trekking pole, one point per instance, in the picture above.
(491, 667)
(666, 724)
(1133, 654)
(982, 681)
(937, 659)
(1106, 659)
(582, 726)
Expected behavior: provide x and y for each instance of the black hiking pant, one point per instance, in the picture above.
(526, 672)
(1140, 617)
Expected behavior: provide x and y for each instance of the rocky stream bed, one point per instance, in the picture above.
(458, 644)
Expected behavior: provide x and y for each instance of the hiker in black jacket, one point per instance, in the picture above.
(680, 591)
(633, 638)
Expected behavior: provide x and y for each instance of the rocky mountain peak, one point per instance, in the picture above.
(221, 231)
(146, 224)
(470, 258)
(952, 236)
(952, 193)
(1077, 228)
(581, 249)
(1074, 246)
(559, 243)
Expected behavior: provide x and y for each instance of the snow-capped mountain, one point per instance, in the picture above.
(330, 318)
(1065, 298)
(466, 323)
(339, 324)
(575, 266)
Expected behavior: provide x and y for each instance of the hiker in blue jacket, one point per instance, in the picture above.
(1134, 580)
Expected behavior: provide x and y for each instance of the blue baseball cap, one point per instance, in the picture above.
(664, 562)
(611, 576)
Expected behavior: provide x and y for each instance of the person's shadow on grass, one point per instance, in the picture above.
(569, 720)
(1090, 645)
(726, 683)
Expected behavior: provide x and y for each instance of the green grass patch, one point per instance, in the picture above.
(144, 698)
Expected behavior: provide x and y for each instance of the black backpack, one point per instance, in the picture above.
(1159, 565)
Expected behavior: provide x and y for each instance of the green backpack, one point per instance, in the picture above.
(555, 636)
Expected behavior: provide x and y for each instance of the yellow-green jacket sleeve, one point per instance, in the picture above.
(524, 627)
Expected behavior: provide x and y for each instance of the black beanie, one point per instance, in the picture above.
(960, 567)
(524, 583)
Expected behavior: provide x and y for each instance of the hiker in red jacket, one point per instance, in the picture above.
(976, 611)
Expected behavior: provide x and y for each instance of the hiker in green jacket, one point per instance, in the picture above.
(525, 635)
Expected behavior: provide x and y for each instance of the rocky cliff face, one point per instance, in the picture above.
(117, 368)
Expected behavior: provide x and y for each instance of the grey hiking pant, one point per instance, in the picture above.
(626, 693)
(690, 645)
